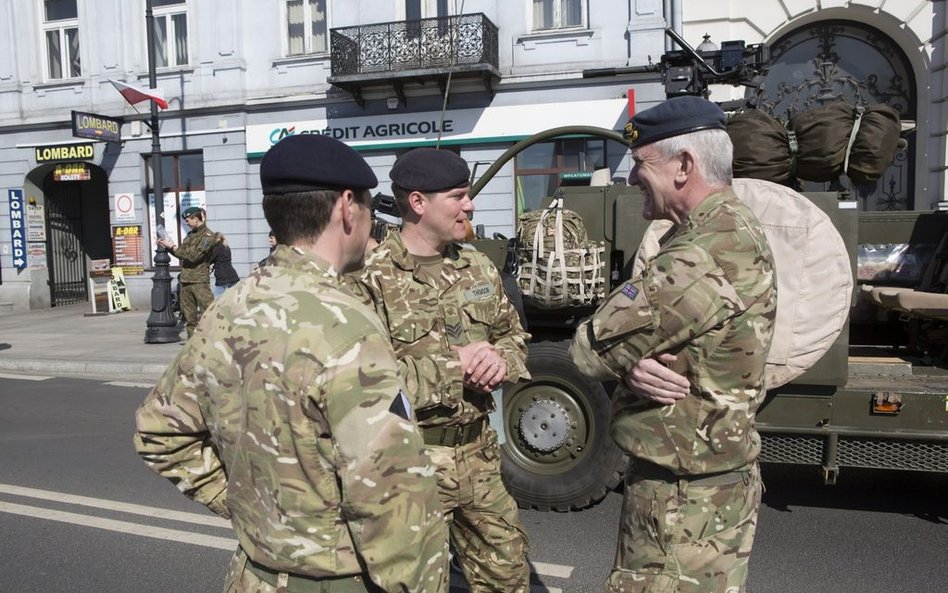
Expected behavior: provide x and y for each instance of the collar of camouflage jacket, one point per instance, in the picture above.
(295, 258)
(404, 260)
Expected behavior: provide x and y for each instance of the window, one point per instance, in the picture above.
(558, 14)
(305, 27)
(538, 167)
(171, 33)
(61, 29)
(425, 9)
(182, 179)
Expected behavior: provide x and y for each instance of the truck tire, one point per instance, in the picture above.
(558, 454)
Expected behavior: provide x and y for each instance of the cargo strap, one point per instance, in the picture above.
(453, 436)
(650, 471)
(295, 583)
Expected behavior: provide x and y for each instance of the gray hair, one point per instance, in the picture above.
(712, 149)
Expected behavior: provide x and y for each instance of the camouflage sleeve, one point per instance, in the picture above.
(389, 494)
(195, 249)
(173, 439)
(508, 335)
(682, 294)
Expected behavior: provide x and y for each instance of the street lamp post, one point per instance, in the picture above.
(161, 327)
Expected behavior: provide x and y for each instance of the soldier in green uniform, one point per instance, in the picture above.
(457, 338)
(195, 255)
(286, 413)
(709, 298)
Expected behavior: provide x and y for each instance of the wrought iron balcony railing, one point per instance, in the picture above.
(461, 43)
(466, 39)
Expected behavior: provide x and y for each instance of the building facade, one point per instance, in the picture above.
(474, 76)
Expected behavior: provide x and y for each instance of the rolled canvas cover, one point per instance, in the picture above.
(814, 276)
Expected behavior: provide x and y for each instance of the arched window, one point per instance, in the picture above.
(833, 60)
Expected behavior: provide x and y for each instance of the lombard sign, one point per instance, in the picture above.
(96, 127)
(64, 152)
(17, 228)
(508, 123)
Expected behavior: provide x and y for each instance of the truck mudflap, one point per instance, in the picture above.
(898, 423)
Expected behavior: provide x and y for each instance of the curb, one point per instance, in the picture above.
(87, 369)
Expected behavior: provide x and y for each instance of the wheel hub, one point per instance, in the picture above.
(545, 426)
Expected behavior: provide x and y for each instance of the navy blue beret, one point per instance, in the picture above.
(430, 169)
(312, 161)
(191, 211)
(674, 117)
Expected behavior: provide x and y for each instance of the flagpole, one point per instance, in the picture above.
(161, 327)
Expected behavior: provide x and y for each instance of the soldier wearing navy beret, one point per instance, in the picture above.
(194, 254)
(705, 305)
(286, 411)
(457, 338)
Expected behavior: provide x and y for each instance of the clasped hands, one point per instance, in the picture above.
(484, 367)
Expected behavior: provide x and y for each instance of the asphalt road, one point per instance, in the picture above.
(80, 512)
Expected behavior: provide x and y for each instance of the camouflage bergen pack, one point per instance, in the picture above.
(558, 264)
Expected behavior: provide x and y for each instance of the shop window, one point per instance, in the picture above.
(171, 33)
(306, 26)
(61, 30)
(182, 180)
(558, 14)
(538, 168)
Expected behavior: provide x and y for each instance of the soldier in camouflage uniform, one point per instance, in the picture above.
(709, 297)
(457, 338)
(286, 413)
(195, 255)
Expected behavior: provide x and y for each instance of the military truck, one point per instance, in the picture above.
(877, 398)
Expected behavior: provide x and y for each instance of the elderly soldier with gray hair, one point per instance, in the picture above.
(286, 413)
(709, 298)
(457, 338)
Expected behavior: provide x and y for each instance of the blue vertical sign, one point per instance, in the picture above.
(18, 229)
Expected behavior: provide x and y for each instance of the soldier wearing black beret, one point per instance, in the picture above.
(709, 297)
(286, 412)
(457, 338)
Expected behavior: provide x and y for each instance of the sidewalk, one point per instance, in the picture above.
(63, 341)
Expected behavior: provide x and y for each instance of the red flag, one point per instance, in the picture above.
(134, 94)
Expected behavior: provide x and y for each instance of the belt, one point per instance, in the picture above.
(651, 471)
(297, 583)
(453, 436)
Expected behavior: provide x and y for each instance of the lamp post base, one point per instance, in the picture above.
(161, 327)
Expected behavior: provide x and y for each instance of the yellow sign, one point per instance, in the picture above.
(118, 292)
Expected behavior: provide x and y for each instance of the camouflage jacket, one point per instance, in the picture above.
(426, 316)
(195, 255)
(709, 296)
(286, 413)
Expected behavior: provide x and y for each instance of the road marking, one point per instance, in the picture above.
(174, 535)
(458, 583)
(130, 384)
(540, 568)
(552, 570)
(112, 505)
(24, 377)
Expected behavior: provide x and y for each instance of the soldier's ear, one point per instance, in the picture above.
(417, 202)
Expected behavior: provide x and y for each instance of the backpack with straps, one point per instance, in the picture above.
(558, 265)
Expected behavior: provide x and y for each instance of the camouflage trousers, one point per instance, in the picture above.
(485, 529)
(195, 299)
(242, 578)
(686, 537)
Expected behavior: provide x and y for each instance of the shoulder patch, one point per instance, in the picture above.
(401, 407)
(630, 291)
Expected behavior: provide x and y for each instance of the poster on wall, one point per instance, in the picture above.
(128, 249)
(37, 256)
(124, 207)
(17, 234)
(35, 222)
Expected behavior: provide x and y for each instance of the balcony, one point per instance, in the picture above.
(393, 54)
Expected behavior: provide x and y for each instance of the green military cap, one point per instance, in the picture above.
(192, 211)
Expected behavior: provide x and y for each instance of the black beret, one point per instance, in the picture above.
(674, 117)
(430, 169)
(312, 161)
(191, 211)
